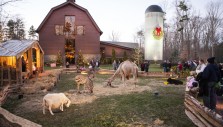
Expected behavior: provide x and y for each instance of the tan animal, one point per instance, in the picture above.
(86, 81)
(125, 69)
(55, 101)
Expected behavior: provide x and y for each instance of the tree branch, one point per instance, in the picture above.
(7, 2)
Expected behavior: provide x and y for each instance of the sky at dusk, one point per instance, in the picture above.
(124, 17)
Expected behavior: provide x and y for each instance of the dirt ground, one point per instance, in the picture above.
(103, 90)
(33, 102)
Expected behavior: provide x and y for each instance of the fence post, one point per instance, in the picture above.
(1, 76)
(9, 75)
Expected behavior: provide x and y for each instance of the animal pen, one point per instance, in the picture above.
(19, 60)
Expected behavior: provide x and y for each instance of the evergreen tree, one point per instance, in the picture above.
(80, 59)
(102, 57)
(137, 56)
(113, 55)
(15, 29)
(1, 33)
(10, 29)
(19, 29)
(59, 58)
(21, 34)
(32, 32)
(183, 21)
(125, 57)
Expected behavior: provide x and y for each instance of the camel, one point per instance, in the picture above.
(125, 69)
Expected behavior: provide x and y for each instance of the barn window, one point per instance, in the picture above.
(69, 27)
(80, 30)
(59, 29)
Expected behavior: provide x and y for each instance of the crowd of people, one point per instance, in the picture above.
(145, 66)
(94, 64)
(205, 75)
(166, 66)
(208, 76)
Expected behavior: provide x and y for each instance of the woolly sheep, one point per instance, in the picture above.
(55, 101)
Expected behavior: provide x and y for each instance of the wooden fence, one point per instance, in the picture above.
(201, 115)
(9, 75)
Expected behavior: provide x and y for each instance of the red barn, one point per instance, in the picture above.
(69, 29)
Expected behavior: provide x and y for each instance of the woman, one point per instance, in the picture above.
(114, 64)
(200, 67)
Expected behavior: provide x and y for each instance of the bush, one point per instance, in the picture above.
(59, 60)
(182, 74)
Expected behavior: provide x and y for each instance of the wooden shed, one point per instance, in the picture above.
(19, 58)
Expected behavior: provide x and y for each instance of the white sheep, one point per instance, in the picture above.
(55, 101)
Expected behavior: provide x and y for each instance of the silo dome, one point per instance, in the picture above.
(154, 8)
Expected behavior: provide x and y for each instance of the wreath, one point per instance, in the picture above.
(158, 33)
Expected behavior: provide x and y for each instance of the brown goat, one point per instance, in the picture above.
(86, 81)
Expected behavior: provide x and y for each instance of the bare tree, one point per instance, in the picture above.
(114, 37)
(195, 25)
(140, 35)
(213, 19)
(191, 35)
(5, 2)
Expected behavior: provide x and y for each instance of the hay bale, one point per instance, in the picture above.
(29, 89)
(47, 86)
(32, 88)
(44, 83)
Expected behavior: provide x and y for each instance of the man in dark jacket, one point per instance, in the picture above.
(146, 67)
(211, 75)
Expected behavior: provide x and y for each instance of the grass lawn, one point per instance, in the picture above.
(140, 108)
(50, 68)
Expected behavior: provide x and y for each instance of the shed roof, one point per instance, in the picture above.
(121, 44)
(16, 47)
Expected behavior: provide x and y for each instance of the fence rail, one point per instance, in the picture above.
(9, 75)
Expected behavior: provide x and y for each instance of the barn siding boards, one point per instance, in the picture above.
(119, 47)
(118, 50)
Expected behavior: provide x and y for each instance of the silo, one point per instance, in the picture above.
(154, 33)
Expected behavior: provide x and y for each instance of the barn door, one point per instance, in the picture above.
(70, 50)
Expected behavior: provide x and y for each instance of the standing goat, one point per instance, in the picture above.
(125, 69)
(86, 81)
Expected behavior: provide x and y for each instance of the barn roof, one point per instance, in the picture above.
(64, 4)
(16, 47)
(129, 45)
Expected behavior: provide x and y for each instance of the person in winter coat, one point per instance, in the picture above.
(142, 66)
(164, 64)
(200, 67)
(212, 76)
(146, 67)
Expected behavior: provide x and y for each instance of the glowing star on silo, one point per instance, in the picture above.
(158, 33)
